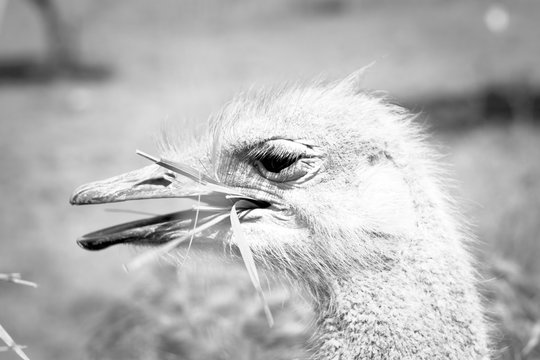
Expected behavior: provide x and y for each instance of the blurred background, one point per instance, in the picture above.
(83, 83)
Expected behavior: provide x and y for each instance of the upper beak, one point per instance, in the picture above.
(150, 182)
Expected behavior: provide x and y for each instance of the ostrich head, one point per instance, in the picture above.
(324, 171)
(335, 188)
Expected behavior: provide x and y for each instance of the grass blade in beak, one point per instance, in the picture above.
(245, 251)
(190, 173)
(146, 257)
(197, 211)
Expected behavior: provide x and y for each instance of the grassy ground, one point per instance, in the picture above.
(176, 60)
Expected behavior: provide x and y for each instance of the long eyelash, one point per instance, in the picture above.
(272, 152)
(278, 158)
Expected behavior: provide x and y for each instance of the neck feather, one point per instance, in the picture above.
(423, 307)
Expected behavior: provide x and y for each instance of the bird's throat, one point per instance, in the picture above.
(414, 310)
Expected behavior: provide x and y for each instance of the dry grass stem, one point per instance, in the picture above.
(11, 345)
(8, 340)
(190, 173)
(247, 256)
(16, 278)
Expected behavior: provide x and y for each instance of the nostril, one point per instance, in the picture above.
(157, 181)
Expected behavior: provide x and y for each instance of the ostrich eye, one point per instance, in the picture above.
(286, 161)
(275, 163)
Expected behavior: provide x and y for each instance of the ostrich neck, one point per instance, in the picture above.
(423, 307)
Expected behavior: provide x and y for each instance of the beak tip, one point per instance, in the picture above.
(73, 199)
(78, 198)
(80, 242)
(90, 245)
(85, 195)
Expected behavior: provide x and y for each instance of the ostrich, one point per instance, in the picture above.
(337, 190)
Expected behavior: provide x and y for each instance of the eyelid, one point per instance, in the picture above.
(307, 164)
(296, 172)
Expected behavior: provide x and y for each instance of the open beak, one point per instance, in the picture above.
(167, 179)
(164, 179)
